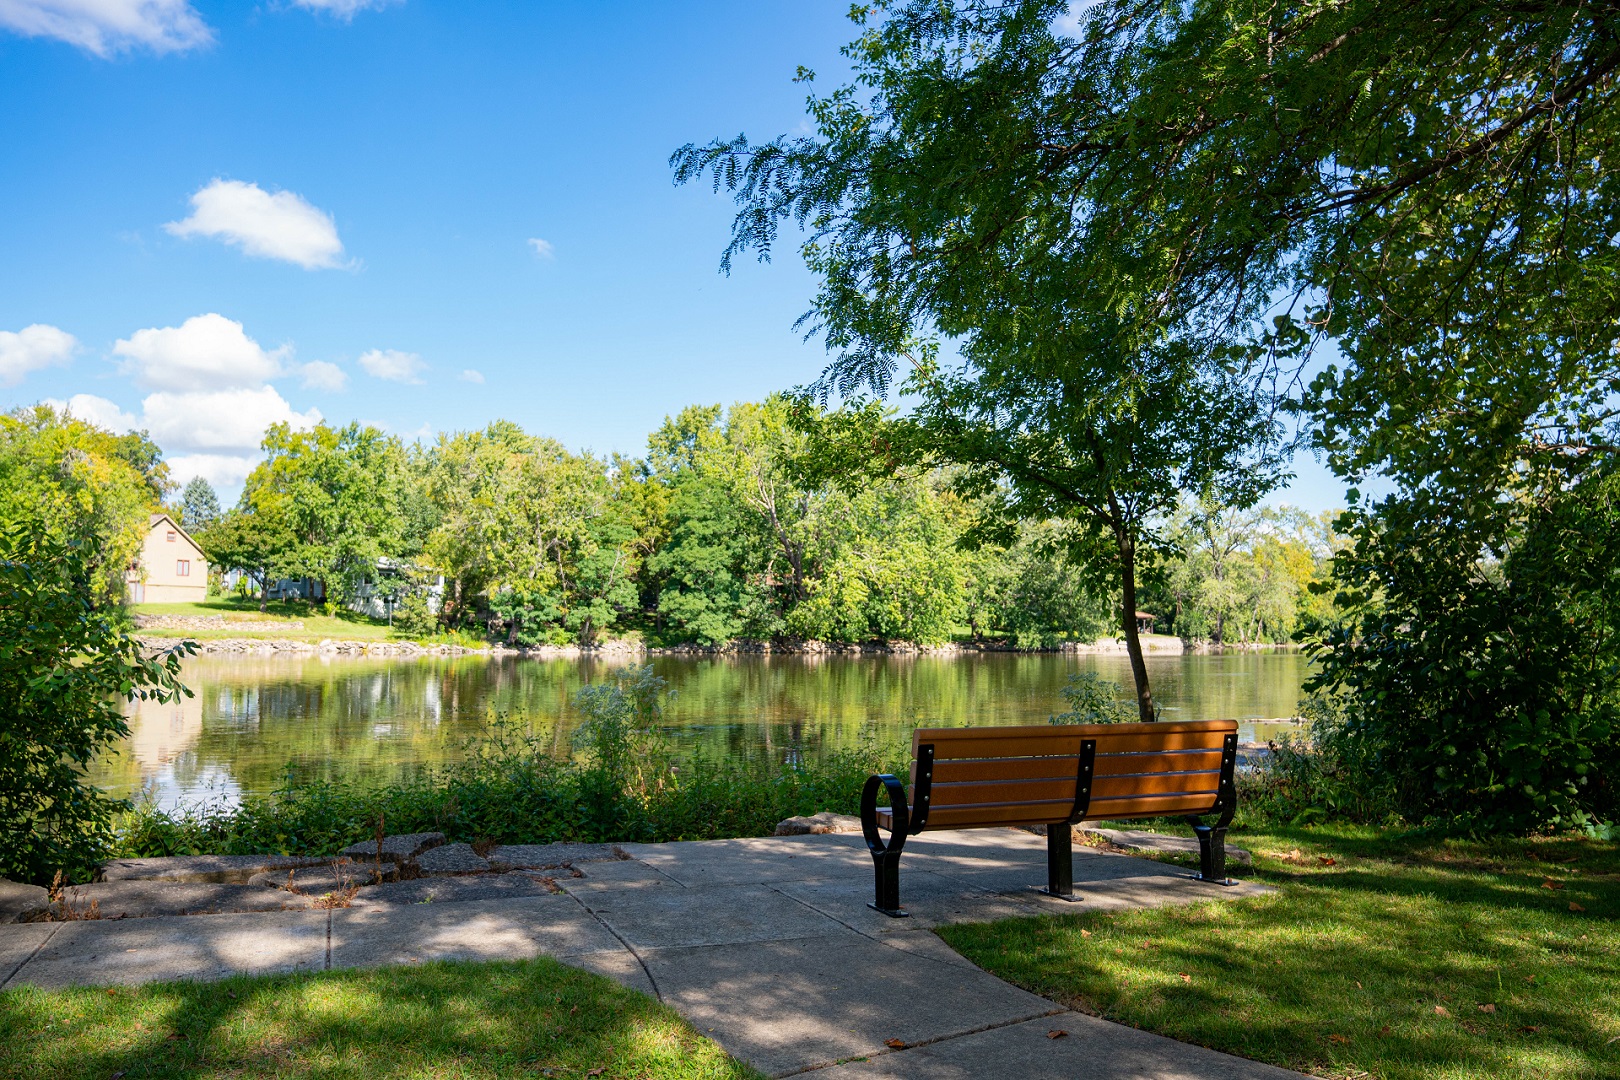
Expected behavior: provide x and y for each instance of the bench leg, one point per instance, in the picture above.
(1212, 854)
(1060, 862)
(886, 870)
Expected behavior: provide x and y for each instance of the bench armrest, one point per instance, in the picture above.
(897, 807)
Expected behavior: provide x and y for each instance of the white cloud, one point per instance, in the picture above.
(272, 226)
(206, 352)
(220, 420)
(104, 27)
(32, 347)
(224, 471)
(210, 421)
(320, 375)
(469, 375)
(98, 411)
(344, 9)
(542, 248)
(393, 365)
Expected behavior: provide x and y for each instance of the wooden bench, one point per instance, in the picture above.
(1057, 776)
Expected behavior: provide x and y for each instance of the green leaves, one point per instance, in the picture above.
(65, 668)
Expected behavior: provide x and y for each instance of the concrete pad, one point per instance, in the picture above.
(1092, 1048)
(317, 880)
(618, 874)
(448, 890)
(788, 1005)
(494, 930)
(1161, 843)
(755, 860)
(930, 899)
(217, 869)
(395, 849)
(622, 967)
(545, 856)
(19, 901)
(149, 950)
(17, 944)
(452, 859)
(147, 899)
(720, 915)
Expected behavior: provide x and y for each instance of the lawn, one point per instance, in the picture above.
(1381, 956)
(279, 621)
(532, 1018)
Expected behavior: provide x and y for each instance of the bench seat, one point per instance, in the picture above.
(1055, 775)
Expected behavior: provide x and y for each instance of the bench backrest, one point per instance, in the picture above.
(1037, 774)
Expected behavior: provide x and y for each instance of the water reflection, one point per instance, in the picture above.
(252, 718)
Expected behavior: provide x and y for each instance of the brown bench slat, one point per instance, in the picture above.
(1137, 764)
(964, 770)
(1077, 731)
(1115, 787)
(1103, 809)
(951, 817)
(1066, 745)
(1055, 790)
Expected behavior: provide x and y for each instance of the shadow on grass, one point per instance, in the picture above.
(463, 1019)
(1416, 958)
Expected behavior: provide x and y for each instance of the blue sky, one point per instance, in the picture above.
(424, 215)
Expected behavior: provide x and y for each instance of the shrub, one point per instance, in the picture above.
(509, 788)
(64, 666)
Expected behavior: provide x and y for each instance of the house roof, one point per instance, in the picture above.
(160, 517)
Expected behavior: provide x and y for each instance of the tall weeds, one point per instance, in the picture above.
(622, 785)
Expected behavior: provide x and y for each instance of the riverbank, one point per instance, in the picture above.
(214, 634)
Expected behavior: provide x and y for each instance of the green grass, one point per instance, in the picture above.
(531, 1018)
(1403, 958)
(277, 622)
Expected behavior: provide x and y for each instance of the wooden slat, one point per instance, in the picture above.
(1027, 814)
(937, 735)
(1004, 791)
(1126, 764)
(1151, 741)
(1044, 743)
(1115, 787)
(1149, 807)
(1055, 741)
(1040, 768)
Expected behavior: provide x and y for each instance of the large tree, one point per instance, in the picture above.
(935, 213)
(82, 484)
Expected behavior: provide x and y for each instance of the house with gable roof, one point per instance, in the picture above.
(171, 568)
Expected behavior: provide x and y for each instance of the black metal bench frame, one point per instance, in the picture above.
(909, 821)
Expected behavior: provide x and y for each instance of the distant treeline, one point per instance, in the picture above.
(729, 528)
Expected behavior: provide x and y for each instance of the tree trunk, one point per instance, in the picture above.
(1133, 642)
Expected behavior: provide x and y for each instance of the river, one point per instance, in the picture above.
(251, 717)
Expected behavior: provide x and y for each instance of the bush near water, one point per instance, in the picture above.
(622, 786)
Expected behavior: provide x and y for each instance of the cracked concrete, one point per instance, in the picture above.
(765, 944)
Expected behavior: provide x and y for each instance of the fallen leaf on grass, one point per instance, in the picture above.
(1057, 1033)
(1531, 1028)
(895, 1044)
(1184, 976)
(1340, 1039)
(1551, 884)
(1573, 906)
(1085, 933)
(1327, 860)
(1384, 1030)
(1487, 1008)
(1441, 1010)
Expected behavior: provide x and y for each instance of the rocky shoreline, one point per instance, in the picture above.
(628, 650)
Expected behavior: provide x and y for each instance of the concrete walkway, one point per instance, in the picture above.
(765, 945)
